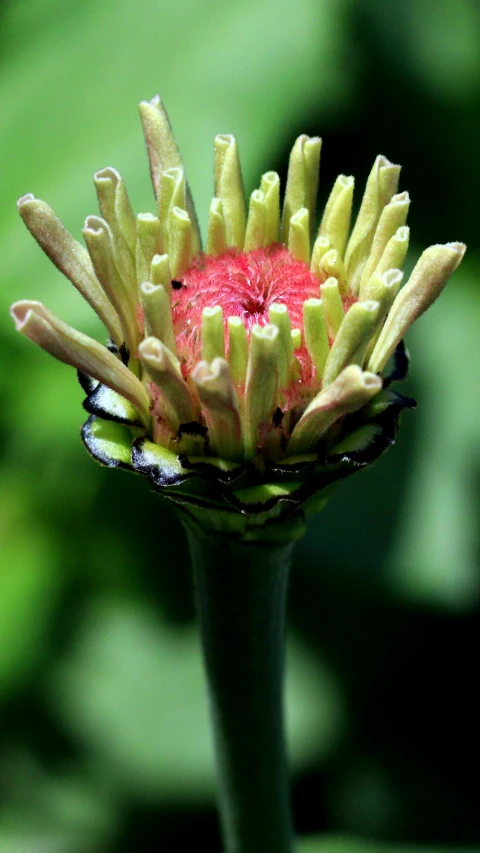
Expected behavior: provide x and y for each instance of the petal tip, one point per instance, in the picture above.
(25, 199)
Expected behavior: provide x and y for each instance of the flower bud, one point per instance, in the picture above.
(171, 194)
(220, 405)
(256, 222)
(180, 242)
(278, 316)
(270, 187)
(229, 188)
(393, 216)
(332, 306)
(381, 185)
(261, 385)
(237, 350)
(158, 314)
(98, 238)
(70, 257)
(116, 209)
(163, 154)
(351, 390)
(332, 265)
(177, 402)
(429, 277)
(234, 367)
(299, 235)
(352, 337)
(395, 252)
(302, 181)
(316, 335)
(36, 322)
(335, 224)
(213, 335)
(217, 230)
(148, 238)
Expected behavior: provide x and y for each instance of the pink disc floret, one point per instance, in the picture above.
(245, 285)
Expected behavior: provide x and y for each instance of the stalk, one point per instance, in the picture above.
(240, 595)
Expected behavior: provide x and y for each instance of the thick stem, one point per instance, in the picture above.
(241, 591)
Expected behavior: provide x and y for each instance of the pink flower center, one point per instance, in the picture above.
(245, 284)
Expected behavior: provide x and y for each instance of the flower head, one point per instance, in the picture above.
(245, 379)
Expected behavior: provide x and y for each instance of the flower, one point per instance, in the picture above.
(245, 380)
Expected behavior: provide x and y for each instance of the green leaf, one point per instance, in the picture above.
(28, 585)
(435, 556)
(351, 845)
(133, 693)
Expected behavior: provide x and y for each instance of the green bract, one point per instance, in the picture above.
(237, 498)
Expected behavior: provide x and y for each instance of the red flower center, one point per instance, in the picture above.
(245, 284)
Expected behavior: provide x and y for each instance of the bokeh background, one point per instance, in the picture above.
(104, 741)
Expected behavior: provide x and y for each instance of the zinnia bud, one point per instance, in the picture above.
(245, 378)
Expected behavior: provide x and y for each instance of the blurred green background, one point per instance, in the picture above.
(104, 737)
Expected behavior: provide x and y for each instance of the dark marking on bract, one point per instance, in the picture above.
(124, 354)
(212, 473)
(199, 502)
(94, 404)
(92, 445)
(293, 500)
(388, 423)
(401, 364)
(160, 475)
(402, 402)
(277, 417)
(88, 384)
(192, 428)
(293, 467)
(216, 487)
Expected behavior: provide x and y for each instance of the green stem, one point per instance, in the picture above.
(241, 592)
